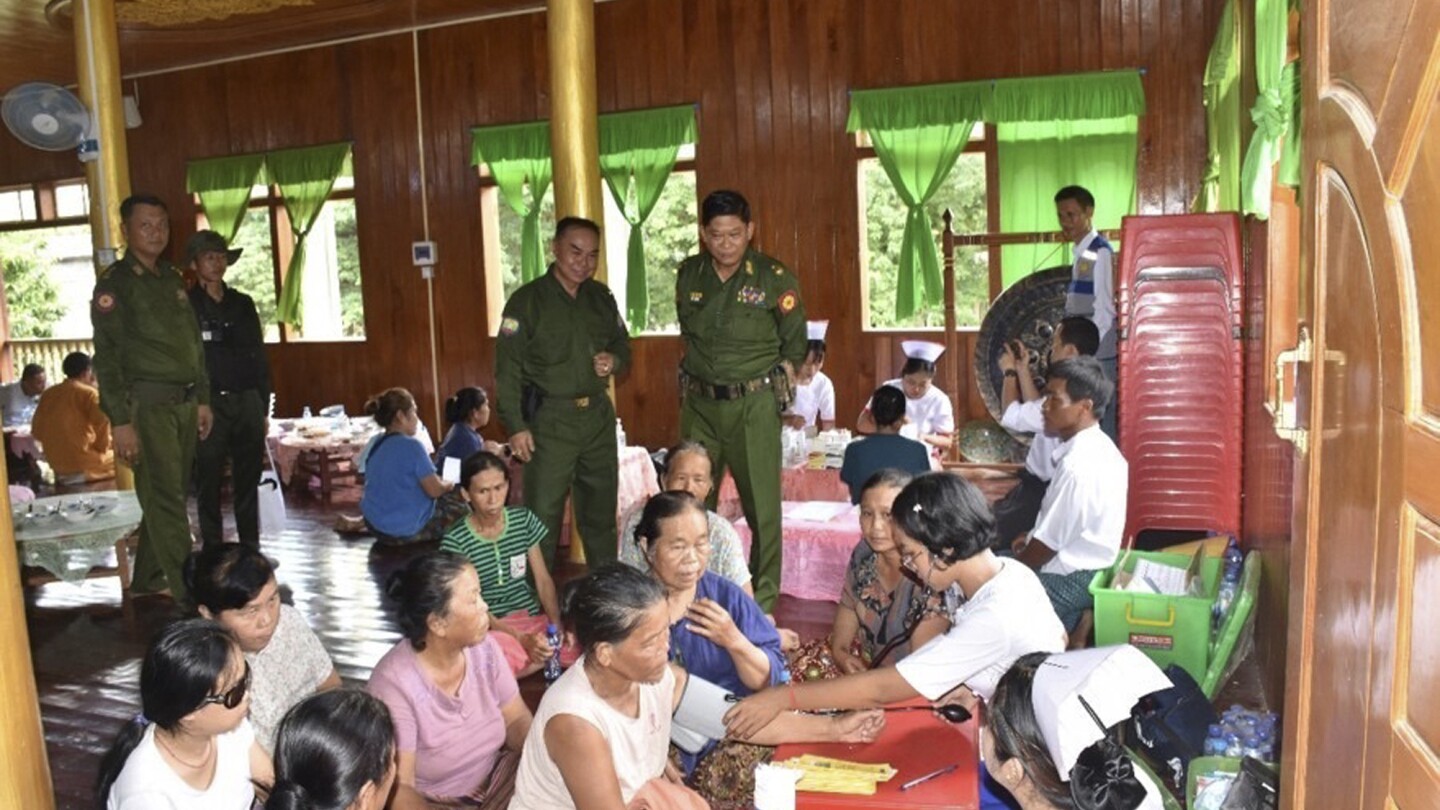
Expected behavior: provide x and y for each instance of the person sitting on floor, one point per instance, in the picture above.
(71, 428)
(503, 543)
(405, 501)
(616, 707)
(467, 412)
(334, 750)
(234, 585)
(1015, 514)
(19, 399)
(191, 745)
(1082, 518)
(814, 406)
(883, 615)
(688, 469)
(459, 718)
(886, 448)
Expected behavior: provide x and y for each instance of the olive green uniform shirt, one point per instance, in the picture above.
(145, 330)
(549, 340)
(739, 329)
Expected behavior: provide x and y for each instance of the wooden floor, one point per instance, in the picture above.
(87, 644)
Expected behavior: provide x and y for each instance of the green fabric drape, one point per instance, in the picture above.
(1289, 173)
(637, 154)
(305, 177)
(1220, 185)
(1037, 159)
(1070, 97)
(518, 156)
(918, 133)
(224, 186)
(1272, 110)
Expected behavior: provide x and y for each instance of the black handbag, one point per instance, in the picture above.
(1169, 727)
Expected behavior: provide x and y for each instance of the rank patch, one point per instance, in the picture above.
(788, 300)
(509, 326)
(104, 302)
(696, 296)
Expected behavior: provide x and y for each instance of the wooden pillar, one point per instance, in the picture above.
(24, 768)
(97, 58)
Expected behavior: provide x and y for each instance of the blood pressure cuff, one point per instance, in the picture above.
(700, 715)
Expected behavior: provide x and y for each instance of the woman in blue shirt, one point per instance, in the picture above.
(467, 412)
(404, 500)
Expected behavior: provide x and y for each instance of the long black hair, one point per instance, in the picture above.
(946, 514)
(423, 588)
(181, 669)
(327, 747)
(605, 606)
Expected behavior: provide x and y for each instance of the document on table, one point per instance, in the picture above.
(818, 511)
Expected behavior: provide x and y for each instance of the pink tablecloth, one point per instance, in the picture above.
(796, 484)
(815, 553)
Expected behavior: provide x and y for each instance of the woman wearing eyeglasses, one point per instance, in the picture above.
(191, 746)
(234, 585)
(883, 615)
(999, 612)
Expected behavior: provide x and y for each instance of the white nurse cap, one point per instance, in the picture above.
(922, 350)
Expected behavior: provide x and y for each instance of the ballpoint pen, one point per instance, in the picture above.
(920, 780)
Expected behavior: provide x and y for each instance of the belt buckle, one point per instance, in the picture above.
(721, 392)
(582, 402)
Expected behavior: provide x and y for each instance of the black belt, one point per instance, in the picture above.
(726, 392)
(158, 393)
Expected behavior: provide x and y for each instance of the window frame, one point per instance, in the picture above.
(45, 208)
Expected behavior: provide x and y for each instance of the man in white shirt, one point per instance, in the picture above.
(1082, 518)
(1091, 292)
(814, 406)
(18, 399)
(1015, 514)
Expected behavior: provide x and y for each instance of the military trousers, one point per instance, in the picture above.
(744, 435)
(576, 455)
(237, 435)
(167, 434)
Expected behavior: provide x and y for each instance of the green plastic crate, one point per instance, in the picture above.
(1235, 622)
(1169, 629)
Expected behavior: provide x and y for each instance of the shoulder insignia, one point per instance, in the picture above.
(183, 296)
(779, 269)
(788, 300)
(749, 268)
(105, 302)
(509, 326)
(107, 271)
(696, 296)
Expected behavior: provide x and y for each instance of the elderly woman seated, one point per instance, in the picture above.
(234, 585)
(459, 718)
(883, 614)
(600, 736)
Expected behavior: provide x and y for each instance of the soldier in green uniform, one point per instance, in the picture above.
(561, 338)
(744, 329)
(151, 370)
(239, 375)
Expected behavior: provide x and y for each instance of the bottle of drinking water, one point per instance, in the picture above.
(305, 414)
(552, 664)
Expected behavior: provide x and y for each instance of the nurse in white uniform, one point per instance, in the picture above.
(930, 416)
(814, 408)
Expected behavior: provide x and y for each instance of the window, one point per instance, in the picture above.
(46, 259)
(671, 233)
(333, 307)
(882, 223)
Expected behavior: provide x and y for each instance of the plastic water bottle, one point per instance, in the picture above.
(552, 664)
(305, 414)
(1229, 582)
(619, 434)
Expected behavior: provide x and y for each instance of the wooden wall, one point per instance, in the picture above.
(771, 80)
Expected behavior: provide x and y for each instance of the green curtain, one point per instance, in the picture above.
(518, 156)
(1069, 97)
(1220, 186)
(305, 177)
(1272, 110)
(1038, 158)
(918, 132)
(637, 154)
(224, 186)
(1289, 174)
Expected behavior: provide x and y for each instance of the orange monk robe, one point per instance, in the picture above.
(73, 432)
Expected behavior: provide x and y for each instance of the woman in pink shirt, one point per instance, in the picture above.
(459, 718)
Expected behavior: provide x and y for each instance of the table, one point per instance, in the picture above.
(914, 743)
(796, 484)
(72, 551)
(22, 443)
(318, 447)
(817, 552)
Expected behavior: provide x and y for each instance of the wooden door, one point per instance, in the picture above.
(1363, 675)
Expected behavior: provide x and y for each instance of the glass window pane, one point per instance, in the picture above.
(254, 273)
(332, 305)
(671, 234)
(17, 205)
(509, 229)
(49, 282)
(72, 200)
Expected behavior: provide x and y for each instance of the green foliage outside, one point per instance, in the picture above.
(347, 249)
(964, 194)
(32, 296)
(671, 234)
